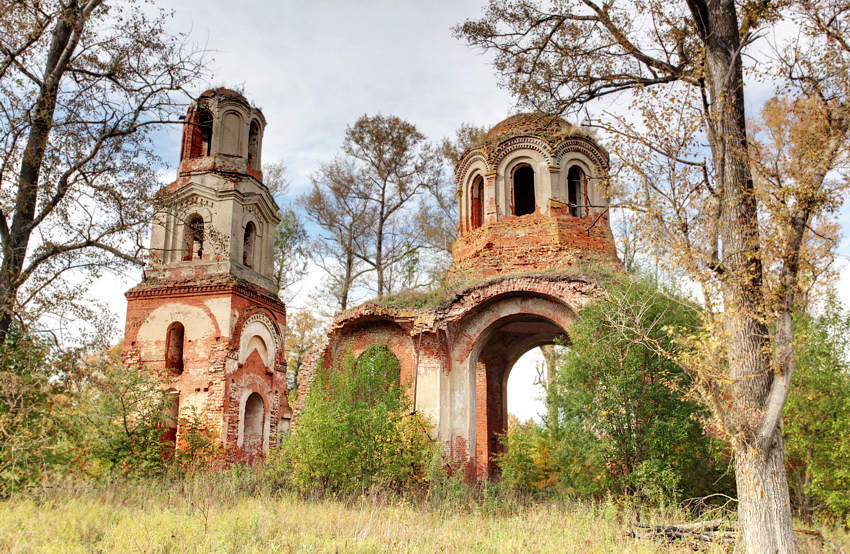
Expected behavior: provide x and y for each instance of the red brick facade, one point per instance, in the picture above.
(516, 282)
(206, 316)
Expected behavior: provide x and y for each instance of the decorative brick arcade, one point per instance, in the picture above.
(206, 315)
(533, 231)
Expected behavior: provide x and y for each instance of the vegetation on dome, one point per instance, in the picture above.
(445, 294)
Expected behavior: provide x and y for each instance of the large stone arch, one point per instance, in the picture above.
(357, 336)
(487, 342)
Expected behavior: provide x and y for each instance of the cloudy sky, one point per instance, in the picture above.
(315, 66)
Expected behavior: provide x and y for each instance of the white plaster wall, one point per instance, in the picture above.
(428, 390)
(261, 329)
(220, 308)
(196, 324)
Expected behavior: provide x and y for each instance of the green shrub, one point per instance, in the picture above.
(35, 446)
(618, 421)
(199, 448)
(122, 419)
(551, 459)
(356, 431)
(817, 416)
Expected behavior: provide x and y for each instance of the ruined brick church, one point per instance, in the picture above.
(207, 315)
(533, 230)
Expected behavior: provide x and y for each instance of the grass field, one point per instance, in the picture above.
(147, 518)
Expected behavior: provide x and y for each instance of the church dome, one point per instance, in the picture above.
(223, 93)
(532, 124)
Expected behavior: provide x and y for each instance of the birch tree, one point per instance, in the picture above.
(393, 164)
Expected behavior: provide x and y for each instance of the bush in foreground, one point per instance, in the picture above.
(356, 432)
(618, 421)
(817, 416)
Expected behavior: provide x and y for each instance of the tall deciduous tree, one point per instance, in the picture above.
(343, 217)
(682, 63)
(392, 164)
(82, 84)
(290, 254)
(437, 217)
(303, 332)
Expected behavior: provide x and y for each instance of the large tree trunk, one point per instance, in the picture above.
(763, 500)
(764, 505)
(62, 43)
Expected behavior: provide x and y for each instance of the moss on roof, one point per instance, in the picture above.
(443, 296)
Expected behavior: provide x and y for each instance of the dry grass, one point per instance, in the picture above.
(144, 519)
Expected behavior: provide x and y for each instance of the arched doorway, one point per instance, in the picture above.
(253, 419)
(497, 350)
(377, 368)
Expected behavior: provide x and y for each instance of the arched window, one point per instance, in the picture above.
(254, 146)
(575, 180)
(248, 245)
(193, 237)
(252, 424)
(476, 203)
(378, 369)
(174, 347)
(524, 190)
(257, 343)
(230, 136)
(201, 133)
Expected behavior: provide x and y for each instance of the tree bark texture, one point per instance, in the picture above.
(764, 505)
(63, 43)
(763, 500)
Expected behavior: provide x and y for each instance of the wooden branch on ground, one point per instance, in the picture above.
(707, 531)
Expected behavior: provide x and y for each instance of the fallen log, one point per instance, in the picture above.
(707, 531)
(711, 524)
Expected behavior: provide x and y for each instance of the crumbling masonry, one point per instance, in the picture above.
(206, 316)
(533, 232)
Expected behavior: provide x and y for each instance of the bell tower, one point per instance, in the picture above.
(219, 218)
(532, 196)
(206, 315)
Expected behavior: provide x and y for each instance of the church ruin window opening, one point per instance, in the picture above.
(252, 424)
(174, 340)
(376, 367)
(524, 201)
(202, 135)
(254, 145)
(575, 180)
(248, 244)
(194, 241)
(476, 197)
